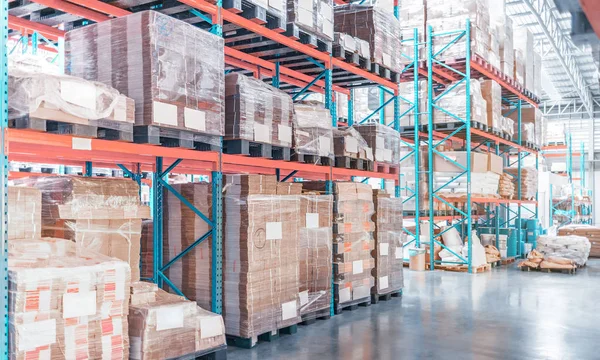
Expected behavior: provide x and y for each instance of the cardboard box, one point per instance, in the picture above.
(479, 162)
(495, 164)
(24, 213)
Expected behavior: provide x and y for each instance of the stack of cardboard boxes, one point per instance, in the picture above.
(314, 17)
(313, 134)
(384, 140)
(347, 142)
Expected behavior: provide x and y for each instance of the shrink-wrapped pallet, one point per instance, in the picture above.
(389, 238)
(260, 286)
(505, 37)
(313, 133)
(380, 28)
(352, 240)
(314, 17)
(384, 140)
(532, 124)
(24, 213)
(492, 94)
(256, 111)
(529, 181)
(523, 42)
(174, 71)
(315, 253)
(537, 74)
(66, 303)
(508, 126)
(101, 215)
(408, 180)
(172, 327)
(352, 44)
(592, 233)
(407, 91)
(455, 102)
(456, 185)
(412, 15)
(572, 247)
(367, 101)
(348, 142)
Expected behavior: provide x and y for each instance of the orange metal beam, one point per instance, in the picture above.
(554, 147)
(102, 7)
(560, 155)
(73, 9)
(500, 140)
(502, 83)
(18, 24)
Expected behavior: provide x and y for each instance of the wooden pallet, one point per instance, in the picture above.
(508, 260)
(572, 271)
(312, 317)
(97, 129)
(347, 162)
(352, 305)
(311, 159)
(248, 343)
(218, 353)
(451, 126)
(376, 298)
(256, 149)
(350, 57)
(384, 71)
(462, 268)
(312, 40)
(257, 14)
(170, 137)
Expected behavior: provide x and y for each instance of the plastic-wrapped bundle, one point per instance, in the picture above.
(592, 233)
(572, 247)
(492, 94)
(366, 101)
(507, 187)
(313, 16)
(348, 142)
(407, 177)
(65, 98)
(508, 126)
(445, 16)
(455, 102)
(381, 29)
(260, 267)
(407, 90)
(412, 15)
(256, 111)
(529, 181)
(171, 327)
(505, 37)
(537, 74)
(66, 303)
(24, 213)
(353, 44)
(389, 237)
(532, 124)
(102, 215)
(173, 70)
(523, 42)
(313, 133)
(384, 141)
(314, 252)
(482, 184)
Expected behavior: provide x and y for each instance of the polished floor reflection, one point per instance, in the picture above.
(504, 314)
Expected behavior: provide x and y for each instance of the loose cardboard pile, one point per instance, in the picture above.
(592, 233)
(389, 238)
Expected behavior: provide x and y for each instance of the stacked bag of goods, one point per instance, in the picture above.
(389, 238)
(255, 111)
(455, 102)
(313, 134)
(592, 233)
(380, 28)
(492, 254)
(260, 268)
(529, 181)
(173, 70)
(314, 17)
(539, 260)
(572, 247)
(507, 188)
(384, 140)
(454, 246)
(347, 142)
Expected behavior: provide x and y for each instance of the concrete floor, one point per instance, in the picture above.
(503, 314)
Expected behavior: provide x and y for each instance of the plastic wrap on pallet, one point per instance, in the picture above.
(492, 94)
(412, 15)
(523, 42)
(24, 213)
(274, 8)
(352, 239)
(407, 177)
(389, 238)
(529, 181)
(314, 252)
(348, 142)
(66, 303)
(367, 100)
(313, 132)
(507, 188)
(260, 246)
(592, 233)
(313, 16)
(482, 184)
(173, 70)
(572, 247)
(256, 111)
(455, 102)
(147, 249)
(101, 215)
(172, 327)
(508, 126)
(341, 101)
(407, 91)
(537, 74)
(503, 27)
(384, 141)
(381, 29)
(443, 16)
(532, 121)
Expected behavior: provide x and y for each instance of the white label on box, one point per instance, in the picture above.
(383, 282)
(306, 4)
(277, 4)
(387, 59)
(135, 347)
(169, 317)
(44, 354)
(387, 155)
(328, 28)
(349, 42)
(117, 323)
(81, 143)
(303, 297)
(289, 310)
(210, 326)
(106, 347)
(274, 231)
(163, 113)
(364, 48)
(284, 133)
(384, 249)
(351, 144)
(361, 292)
(305, 17)
(369, 153)
(44, 300)
(345, 295)
(262, 133)
(120, 111)
(194, 119)
(312, 220)
(326, 11)
(36, 334)
(379, 142)
(324, 146)
(357, 267)
(399, 254)
(120, 283)
(79, 304)
(79, 92)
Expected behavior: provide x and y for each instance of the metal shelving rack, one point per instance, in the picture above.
(554, 207)
(472, 66)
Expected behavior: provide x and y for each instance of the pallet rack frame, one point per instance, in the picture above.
(554, 210)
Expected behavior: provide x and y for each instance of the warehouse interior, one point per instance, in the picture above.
(345, 179)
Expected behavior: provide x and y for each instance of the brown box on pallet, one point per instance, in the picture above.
(24, 213)
(384, 142)
(173, 70)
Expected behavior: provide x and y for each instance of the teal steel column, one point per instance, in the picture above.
(468, 140)
(430, 145)
(351, 108)
(157, 221)
(88, 170)
(217, 29)
(217, 243)
(497, 208)
(275, 81)
(381, 107)
(416, 117)
(519, 176)
(329, 103)
(570, 169)
(4, 177)
(329, 191)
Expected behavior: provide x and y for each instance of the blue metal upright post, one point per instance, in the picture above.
(519, 177)
(217, 243)
(4, 178)
(351, 108)
(329, 191)
(88, 169)
(416, 134)
(430, 146)
(468, 140)
(157, 222)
